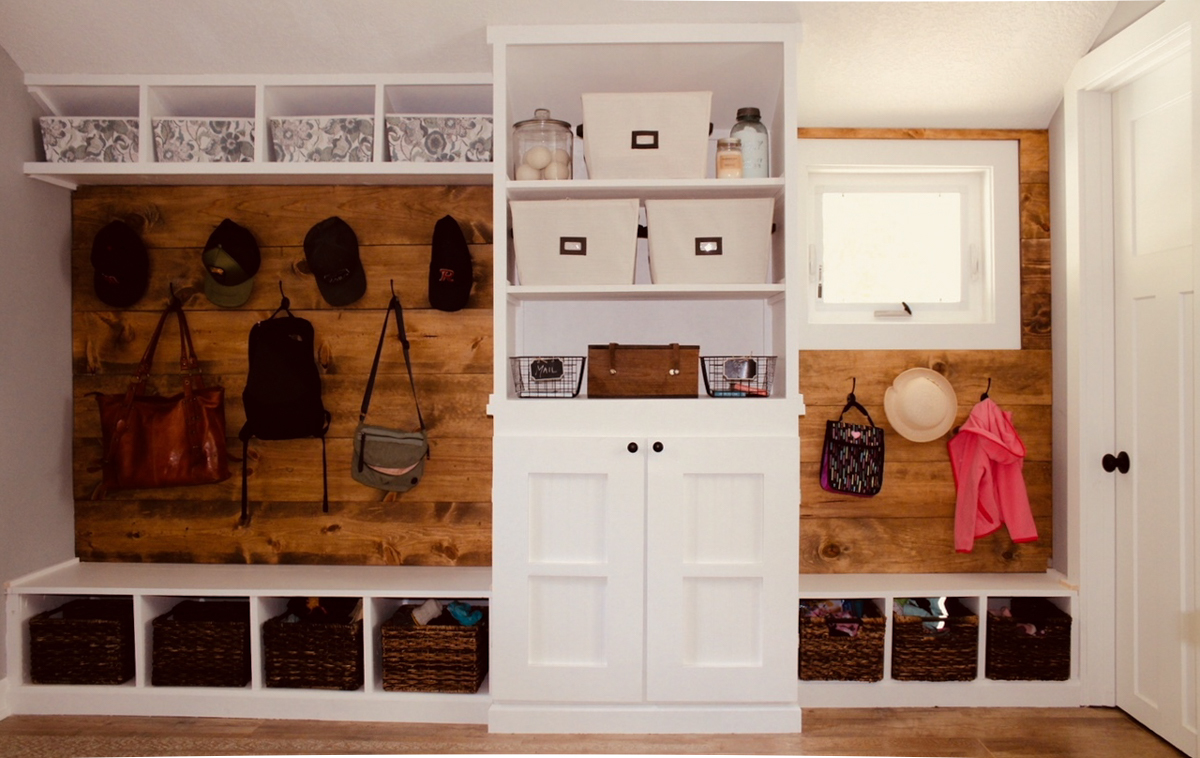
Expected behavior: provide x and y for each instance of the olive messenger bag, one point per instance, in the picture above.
(386, 458)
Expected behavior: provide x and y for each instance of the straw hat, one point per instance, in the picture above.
(920, 405)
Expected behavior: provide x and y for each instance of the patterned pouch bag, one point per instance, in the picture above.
(852, 456)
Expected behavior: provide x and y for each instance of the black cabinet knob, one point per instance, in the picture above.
(632, 447)
(658, 447)
(1118, 462)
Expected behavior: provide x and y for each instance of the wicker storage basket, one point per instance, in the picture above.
(949, 654)
(1013, 653)
(441, 656)
(83, 642)
(828, 656)
(202, 644)
(323, 655)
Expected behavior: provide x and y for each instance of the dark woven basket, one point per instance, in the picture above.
(827, 656)
(950, 654)
(323, 655)
(1014, 654)
(441, 656)
(83, 642)
(202, 644)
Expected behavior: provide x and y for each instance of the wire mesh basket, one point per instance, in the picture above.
(548, 376)
(738, 375)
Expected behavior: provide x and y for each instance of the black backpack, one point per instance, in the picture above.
(283, 390)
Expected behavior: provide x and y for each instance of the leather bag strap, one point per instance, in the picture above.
(393, 305)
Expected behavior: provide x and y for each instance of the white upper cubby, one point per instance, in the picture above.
(261, 98)
(551, 67)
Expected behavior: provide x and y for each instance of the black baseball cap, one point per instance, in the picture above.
(450, 272)
(231, 259)
(331, 249)
(122, 265)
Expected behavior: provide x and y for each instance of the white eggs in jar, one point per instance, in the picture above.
(538, 157)
(556, 170)
(525, 172)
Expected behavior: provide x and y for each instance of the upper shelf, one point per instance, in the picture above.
(260, 99)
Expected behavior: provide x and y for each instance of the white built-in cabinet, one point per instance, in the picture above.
(649, 572)
(645, 551)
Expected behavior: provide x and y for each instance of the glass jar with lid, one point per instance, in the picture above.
(729, 158)
(541, 148)
(756, 154)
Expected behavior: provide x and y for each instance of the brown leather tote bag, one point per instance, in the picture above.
(152, 441)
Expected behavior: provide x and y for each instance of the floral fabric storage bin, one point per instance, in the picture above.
(323, 139)
(440, 139)
(90, 140)
(203, 140)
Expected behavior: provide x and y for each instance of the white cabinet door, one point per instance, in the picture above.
(567, 556)
(722, 519)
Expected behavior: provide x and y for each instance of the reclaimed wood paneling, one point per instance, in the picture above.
(911, 546)
(909, 526)
(444, 521)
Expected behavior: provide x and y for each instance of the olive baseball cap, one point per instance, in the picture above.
(231, 259)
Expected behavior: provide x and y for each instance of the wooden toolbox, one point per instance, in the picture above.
(643, 370)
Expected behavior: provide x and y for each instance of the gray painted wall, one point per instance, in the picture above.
(36, 508)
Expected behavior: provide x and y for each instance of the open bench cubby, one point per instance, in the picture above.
(183, 615)
(864, 640)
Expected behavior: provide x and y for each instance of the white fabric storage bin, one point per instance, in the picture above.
(575, 241)
(723, 241)
(646, 135)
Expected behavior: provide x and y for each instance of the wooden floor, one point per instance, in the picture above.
(928, 732)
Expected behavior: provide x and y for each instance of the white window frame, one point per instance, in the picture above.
(988, 174)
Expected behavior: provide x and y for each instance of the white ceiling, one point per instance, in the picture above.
(890, 64)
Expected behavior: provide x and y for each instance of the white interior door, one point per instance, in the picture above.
(567, 570)
(1155, 413)
(722, 548)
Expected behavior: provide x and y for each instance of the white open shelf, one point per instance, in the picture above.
(260, 98)
(156, 588)
(978, 592)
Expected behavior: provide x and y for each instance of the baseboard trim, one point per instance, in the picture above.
(5, 707)
(525, 718)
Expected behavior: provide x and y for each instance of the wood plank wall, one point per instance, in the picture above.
(446, 520)
(909, 526)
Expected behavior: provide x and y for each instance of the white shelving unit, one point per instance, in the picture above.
(978, 592)
(156, 589)
(260, 98)
(681, 548)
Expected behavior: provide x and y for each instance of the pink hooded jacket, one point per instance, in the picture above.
(987, 456)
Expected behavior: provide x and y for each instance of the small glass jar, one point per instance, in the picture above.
(756, 155)
(729, 158)
(541, 148)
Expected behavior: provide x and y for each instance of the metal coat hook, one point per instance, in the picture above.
(284, 303)
(393, 283)
(987, 391)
